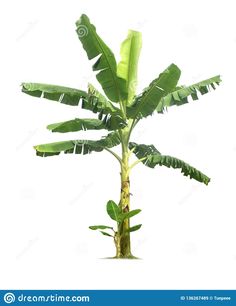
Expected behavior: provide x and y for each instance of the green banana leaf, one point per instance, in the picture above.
(146, 103)
(128, 66)
(78, 124)
(134, 228)
(78, 146)
(113, 86)
(65, 95)
(152, 157)
(181, 94)
(93, 101)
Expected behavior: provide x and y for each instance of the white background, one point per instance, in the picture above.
(188, 236)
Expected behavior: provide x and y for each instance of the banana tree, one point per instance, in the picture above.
(119, 112)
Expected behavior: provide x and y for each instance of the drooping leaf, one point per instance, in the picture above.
(128, 66)
(100, 227)
(153, 157)
(145, 104)
(78, 146)
(113, 86)
(134, 228)
(181, 95)
(113, 210)
(106, 234)
(130, 214)
(65, 95)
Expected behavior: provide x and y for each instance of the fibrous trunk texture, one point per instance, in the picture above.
(123, 245)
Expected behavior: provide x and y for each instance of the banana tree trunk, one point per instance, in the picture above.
(123, 236)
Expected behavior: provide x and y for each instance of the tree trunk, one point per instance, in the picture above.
(123, 237)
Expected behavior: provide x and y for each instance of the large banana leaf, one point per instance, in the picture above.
(145, 104)
(152, 157)
(181, 94)
(128, 66)
(113, 86)
(78, 146)
(93, 101)
(78, 124)
(65, 95)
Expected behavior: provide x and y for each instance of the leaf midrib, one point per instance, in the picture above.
(130, 61)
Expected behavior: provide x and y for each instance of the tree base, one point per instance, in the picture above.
(123, 257)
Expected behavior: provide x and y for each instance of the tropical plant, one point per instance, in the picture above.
(119, 113)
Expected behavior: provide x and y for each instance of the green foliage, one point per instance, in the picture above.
(78, 146)
(95, 227)
(107, 112)
(129, 214)
(94, 101)
(146, 103)
(151, 157)
(115, 213)
(102, 227)
(113, 210)
(128, 66)
(101, 103)
(106, 234)
(78, 124)
(134, 228)
(113, 86)
(118, 112)
(181, 94)
(64, 95)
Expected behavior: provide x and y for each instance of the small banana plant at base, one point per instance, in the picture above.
(115, 213)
